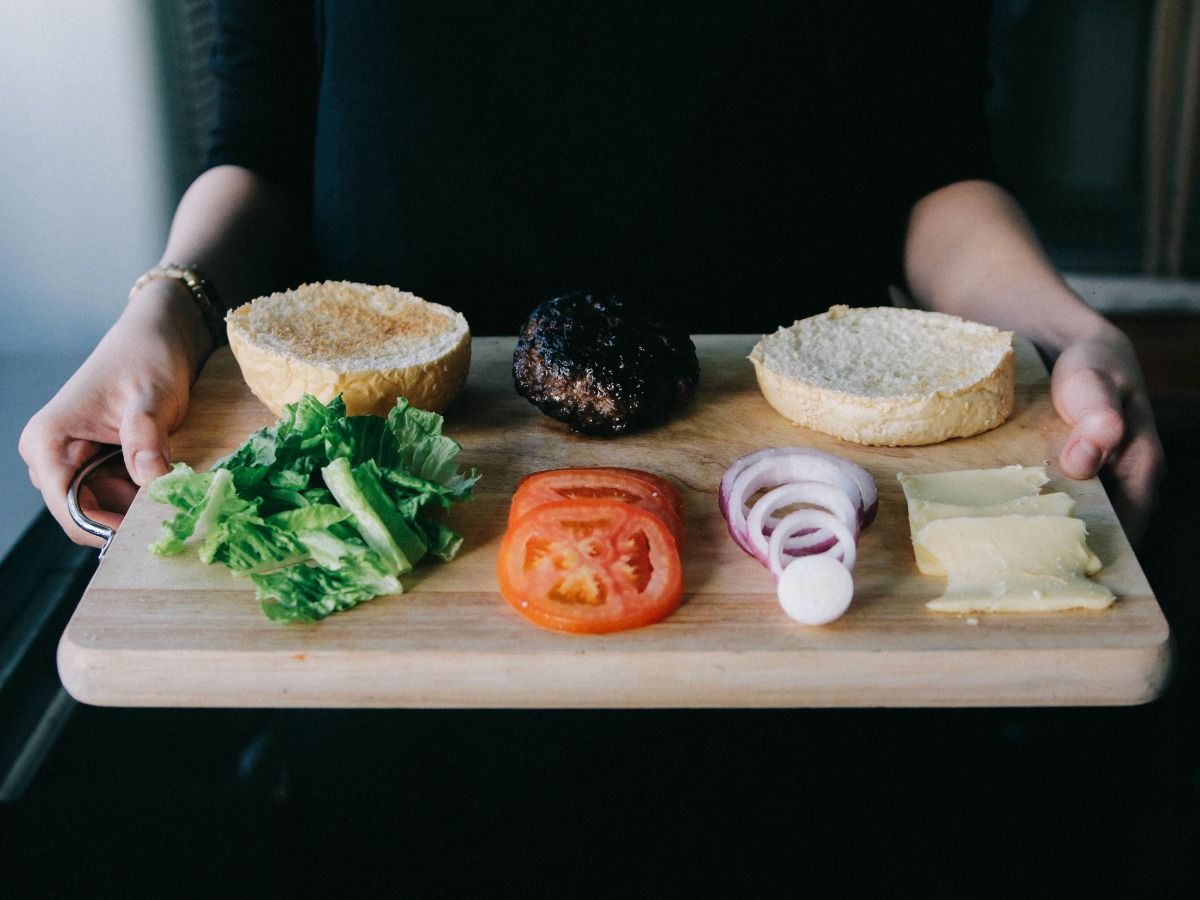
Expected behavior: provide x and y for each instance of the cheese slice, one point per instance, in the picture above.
(974, 487)
(1011, 490)
(922, 512)
(1013, 563)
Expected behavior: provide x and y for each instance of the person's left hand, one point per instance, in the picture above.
(1097, 388)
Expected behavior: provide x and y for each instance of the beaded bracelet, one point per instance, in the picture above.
(198, 286)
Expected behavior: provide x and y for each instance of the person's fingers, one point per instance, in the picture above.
(144, 442)
(1134, 483)
(1136, 470)
(100, 510)
(113, 491)
(130, 391)
(52, 463)
(1089, 402)
(1091, 443)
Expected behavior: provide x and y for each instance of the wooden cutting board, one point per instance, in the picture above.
(173, 632)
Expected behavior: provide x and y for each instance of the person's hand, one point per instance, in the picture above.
(133, 391)
(1097, 388)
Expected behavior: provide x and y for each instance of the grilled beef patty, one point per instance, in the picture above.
(602, 367)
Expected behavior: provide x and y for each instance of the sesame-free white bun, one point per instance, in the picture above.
(888, 376)
(369, 343)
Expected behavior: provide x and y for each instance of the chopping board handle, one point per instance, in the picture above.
(91, 526)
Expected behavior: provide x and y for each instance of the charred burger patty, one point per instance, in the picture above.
(602, 367)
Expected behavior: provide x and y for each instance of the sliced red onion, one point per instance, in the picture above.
(771, 471)
(839, 499)
(815, 590)
(808, 541)
(810, 493)
(868, 491)
(866, 495)
(811, 518)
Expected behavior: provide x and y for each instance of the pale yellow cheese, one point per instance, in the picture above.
(974, 487)
(922, 512)
(1010, 490)
(1013, 563)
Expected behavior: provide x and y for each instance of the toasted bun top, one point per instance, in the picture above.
(350, 327)
(885, 352)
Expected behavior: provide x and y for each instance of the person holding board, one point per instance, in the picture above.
(733, 166)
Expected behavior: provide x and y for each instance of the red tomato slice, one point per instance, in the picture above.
(650, 492)
(660, 484)
(590, 566)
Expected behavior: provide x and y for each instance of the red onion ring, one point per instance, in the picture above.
(811, 518)
(771, 470)
(778, 467)
(868, 494)
(839, 499)
(811, 493)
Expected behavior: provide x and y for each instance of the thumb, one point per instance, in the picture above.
(1092, 405)
(144, 442)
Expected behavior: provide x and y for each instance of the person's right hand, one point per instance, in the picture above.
(133, 391)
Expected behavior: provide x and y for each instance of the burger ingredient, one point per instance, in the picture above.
(1009, 490)
(643, 489)
(842, 546)
(321, 510)
(815, 590)
(830, 501)
(808, 493)
(360, 492)
(895, 377)
(774, 466)
(590, 566)
(371, 344)
(1013, 564)
(1003, 546)
(601, 367)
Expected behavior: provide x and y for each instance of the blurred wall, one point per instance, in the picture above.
(85, 192)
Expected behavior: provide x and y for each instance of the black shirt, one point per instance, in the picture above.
(732, 165)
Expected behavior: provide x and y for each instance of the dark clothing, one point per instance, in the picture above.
(733, 165)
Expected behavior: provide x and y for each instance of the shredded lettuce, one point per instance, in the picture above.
(321, 510)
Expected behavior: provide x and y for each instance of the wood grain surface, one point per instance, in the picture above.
(175, 632)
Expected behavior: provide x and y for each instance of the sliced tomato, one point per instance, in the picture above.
(590, 566)
(650, 492)
(660, 484)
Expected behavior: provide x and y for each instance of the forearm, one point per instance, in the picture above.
(970, 251)
(244, 234)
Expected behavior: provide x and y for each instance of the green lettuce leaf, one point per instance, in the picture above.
(304, 593)
(310, 517)
(359, 438)
(444, 543)
(199, 513)
(181, 487)
(322, 510)
(422, 449)
(385, 531)
(246, 544)
(352, 558)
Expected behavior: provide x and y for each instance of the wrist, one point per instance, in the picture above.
(1076, 322)
(201, 292)
(167, 307)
